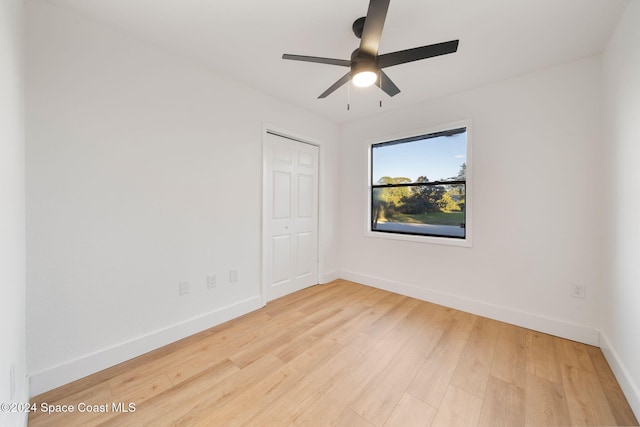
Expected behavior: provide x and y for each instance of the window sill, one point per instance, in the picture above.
(448, 241)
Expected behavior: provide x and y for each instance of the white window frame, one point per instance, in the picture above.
(451, 241)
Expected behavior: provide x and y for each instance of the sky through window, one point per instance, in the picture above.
(436, 158)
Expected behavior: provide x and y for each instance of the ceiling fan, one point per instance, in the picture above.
(365, 64)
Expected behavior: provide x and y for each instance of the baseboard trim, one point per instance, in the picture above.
(548, 325)
(630, 389)
(57, 376)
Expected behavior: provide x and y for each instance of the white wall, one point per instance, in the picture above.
(621, 302)
(536, 144)
(142, 171)
(12, 217)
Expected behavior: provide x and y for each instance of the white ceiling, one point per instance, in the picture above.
(245, 40)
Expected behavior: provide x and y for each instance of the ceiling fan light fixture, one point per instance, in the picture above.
(364, 78)
(365, 63)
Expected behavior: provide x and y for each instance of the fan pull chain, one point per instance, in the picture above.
(380, 80)
(348, 96)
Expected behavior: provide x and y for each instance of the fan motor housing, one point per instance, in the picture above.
(361, 61)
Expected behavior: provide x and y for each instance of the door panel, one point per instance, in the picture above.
(281, 246)
(305, 254)
(281, 195)
(305, 196)
(291, 209)
(305, 159)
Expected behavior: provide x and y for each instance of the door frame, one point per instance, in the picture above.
(278, 131)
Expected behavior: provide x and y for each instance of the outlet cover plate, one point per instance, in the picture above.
(211, 281)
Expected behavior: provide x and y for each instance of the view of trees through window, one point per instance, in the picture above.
(418, 185)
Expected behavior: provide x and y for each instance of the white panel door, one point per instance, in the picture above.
(291, 215)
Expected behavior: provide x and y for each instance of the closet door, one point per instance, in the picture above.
(291, 210)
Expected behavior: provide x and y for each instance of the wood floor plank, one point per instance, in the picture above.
(546, 404)
(319, 316)
(328, 328)
(365, 371)
(329, 298)
(474, 367)
(615, 397)
(395, 308)
(572, 354)
(411, 412)
(212, 345)
(344, 354)
(503, 405)
(326, 408)
(433, 377)
(509, 361)
(350, 419)
(280, 331)
(541, 356)
(586, 400)
(458, 408)
(381, 396)
(293, 403)
(196, 397)
(143, 391)
(291, 301)
(204, 360)
(261, 394)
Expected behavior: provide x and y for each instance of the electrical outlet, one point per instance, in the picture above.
(578, 291)
(233, 276)
(211, 281)
(183, 288)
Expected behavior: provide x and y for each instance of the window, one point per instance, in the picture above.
(419, 187)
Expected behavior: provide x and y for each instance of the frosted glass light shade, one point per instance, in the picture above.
(364, 78)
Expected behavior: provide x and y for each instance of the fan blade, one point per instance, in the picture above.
(417, 53)
(385, 83)
(373, 25)
(330, 61)
(336, 85)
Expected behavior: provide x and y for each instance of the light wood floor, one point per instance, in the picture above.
(344, 354)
